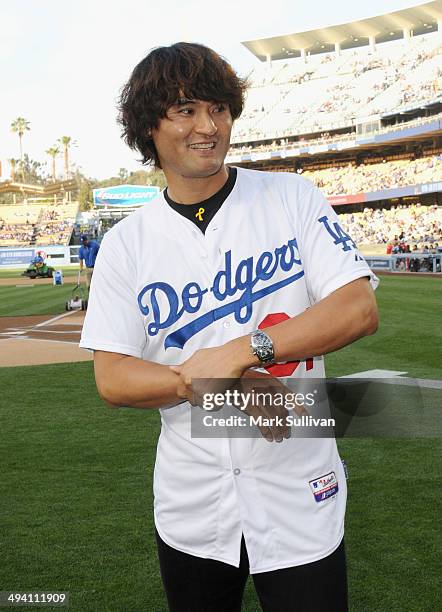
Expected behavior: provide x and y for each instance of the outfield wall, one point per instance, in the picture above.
(20, 257)
(57, 256)
(406, 262)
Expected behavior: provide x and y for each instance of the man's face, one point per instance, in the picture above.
(193, 139)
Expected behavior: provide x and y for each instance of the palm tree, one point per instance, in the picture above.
(66, 142)
(53, 152)
(12, 163)
(20, 126)
(123, 174)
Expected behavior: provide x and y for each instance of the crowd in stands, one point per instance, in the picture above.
(412, 90)
(53, 228)
(88, 229)
(401, 228)
(409, 230)
(17, 224)
(329, 91)
(20, 234)
(284, 144)
(22, 225)
(352, 179)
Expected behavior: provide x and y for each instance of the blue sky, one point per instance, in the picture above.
(63, 63)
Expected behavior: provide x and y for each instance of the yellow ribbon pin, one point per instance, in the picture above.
(200, 213)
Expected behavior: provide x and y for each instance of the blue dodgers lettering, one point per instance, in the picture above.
(245, 282)
(192, 291)
(159, 289)
(341, 237)
(174, 314)
(179, 338)
(264, 263)
(245, 278)
(226, 276)
(289, 248)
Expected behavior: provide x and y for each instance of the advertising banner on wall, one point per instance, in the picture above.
(9, 257)
(125, 195)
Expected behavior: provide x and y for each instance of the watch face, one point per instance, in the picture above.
(262, 347)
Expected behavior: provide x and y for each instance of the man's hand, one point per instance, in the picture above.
(219, 366)
(217, 369)
(268, 406)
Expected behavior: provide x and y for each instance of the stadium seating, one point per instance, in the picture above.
(352, 179)
(414, 225)
(329, 92)
(56, 224)
(16, 224)
(37, 224)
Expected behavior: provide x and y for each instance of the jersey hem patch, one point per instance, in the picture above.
(324, 487)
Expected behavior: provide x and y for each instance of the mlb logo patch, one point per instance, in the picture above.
(324, 487)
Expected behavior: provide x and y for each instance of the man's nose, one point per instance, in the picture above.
(205, 124)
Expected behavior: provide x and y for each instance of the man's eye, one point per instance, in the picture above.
(219, 108)
(186, 111)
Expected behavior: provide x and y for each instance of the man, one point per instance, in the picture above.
(87, 255)
(180, 289)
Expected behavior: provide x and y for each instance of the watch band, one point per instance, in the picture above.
(261, 346)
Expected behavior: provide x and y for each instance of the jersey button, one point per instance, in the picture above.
(226, 324)
(237, 471)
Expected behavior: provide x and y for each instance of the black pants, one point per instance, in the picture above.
(193, 584)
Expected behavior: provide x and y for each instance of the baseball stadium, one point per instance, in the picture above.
(357, 109)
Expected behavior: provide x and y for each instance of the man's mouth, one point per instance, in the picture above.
(203, 145)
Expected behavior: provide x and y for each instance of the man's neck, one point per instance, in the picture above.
(184, 190)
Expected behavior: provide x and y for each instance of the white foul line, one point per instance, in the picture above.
(49, 321)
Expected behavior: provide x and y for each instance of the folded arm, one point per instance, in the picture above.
(127, 381)
(342, 317)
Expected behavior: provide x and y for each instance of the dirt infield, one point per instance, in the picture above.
(41, 339)
(46, 339)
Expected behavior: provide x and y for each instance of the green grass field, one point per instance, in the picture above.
(34, 299)
(68, 271)
(76, 501)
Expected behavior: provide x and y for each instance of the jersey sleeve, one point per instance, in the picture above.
(113, 321)
(329, 255)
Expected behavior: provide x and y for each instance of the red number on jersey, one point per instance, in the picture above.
(281, 370)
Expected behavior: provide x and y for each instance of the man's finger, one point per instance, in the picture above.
(182, 391)
(266, 433)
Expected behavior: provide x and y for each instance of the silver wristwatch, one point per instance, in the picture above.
(261, 346)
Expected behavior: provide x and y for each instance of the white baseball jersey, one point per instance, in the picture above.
(161, 290)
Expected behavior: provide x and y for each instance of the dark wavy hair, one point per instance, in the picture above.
(166, 74)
